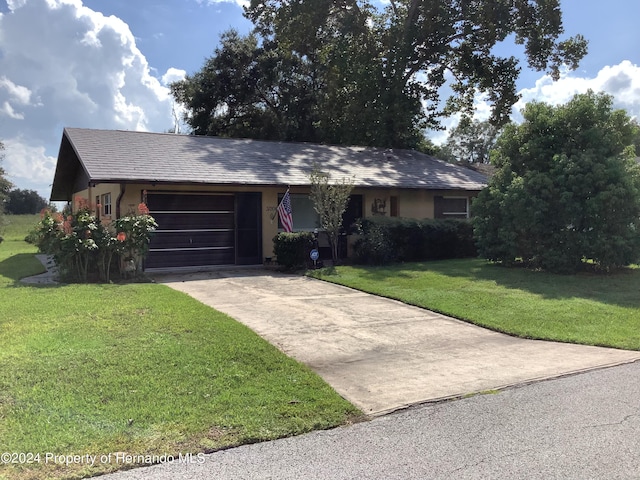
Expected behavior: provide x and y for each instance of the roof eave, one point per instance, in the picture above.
(156, 182)
(67, 169)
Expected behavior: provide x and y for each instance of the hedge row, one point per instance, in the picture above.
(387, 240)
(292, 249)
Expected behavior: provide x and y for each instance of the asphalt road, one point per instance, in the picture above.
(584, 426)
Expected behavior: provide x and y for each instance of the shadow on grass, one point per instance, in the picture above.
(621, 288)
(20, 265)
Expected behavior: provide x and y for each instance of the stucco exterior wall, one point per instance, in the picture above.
(94, 195)
(409, 203)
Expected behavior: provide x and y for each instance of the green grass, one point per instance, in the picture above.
(16, 227)
(137, 368)
(587, 308)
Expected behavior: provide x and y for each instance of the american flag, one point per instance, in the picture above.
(285, 213)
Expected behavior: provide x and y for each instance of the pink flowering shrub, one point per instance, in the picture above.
(82, 246)
(134, 234)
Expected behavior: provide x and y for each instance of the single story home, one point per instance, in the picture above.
(215, 199)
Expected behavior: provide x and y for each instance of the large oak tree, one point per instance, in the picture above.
(348, 72)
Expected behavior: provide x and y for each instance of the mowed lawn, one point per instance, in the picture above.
(137, 369)
(590, 309)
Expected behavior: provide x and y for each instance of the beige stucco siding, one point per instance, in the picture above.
(94, 196)
(415, 203)
(81, 194)
(410, 203)
(269, 219)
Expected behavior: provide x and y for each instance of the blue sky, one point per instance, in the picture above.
(107, 64)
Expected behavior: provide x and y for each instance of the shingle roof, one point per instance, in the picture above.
(125, 156)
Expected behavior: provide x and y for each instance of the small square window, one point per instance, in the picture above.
(106, 204)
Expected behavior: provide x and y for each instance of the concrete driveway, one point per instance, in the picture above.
(380, 354)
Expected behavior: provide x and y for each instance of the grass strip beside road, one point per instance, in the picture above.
(590, 309)
(138, 369)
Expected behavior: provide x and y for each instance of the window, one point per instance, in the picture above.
(106, 204)
(451, 207)
(304, 215)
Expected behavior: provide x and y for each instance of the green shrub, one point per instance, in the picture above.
(32, 237)
(375, 246)
(292, 249)
(566, 193)
(386, 240)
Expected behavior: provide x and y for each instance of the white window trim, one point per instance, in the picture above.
(106, 204)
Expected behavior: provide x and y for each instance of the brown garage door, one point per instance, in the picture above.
(193, 230)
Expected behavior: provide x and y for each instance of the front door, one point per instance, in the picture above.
(248, 228)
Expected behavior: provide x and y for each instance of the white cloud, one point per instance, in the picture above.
(64, 64)
(28, 166)
(13, 4)
(8, 110)
(19, 93)
(242, 3)
(10, 95)
(482, 108)
(622, 81)
(173, 75)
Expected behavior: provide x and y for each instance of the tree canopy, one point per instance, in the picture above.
(348, 72)
(567, 189)
(20, 202)
(5, 185)
(470, 142)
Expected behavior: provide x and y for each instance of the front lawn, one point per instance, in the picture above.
(586, 308)
(136, 369)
